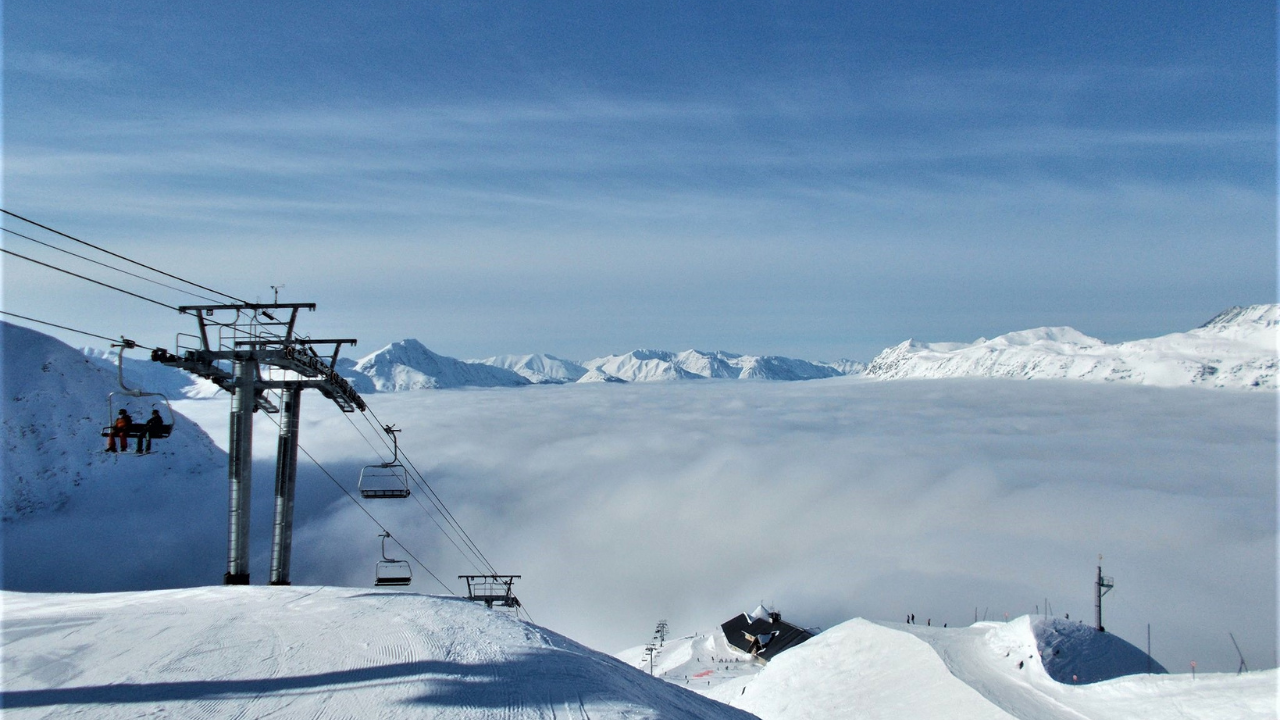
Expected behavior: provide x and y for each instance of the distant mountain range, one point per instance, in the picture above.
(1236, 349)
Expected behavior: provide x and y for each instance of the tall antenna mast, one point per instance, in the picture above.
(1100, 587)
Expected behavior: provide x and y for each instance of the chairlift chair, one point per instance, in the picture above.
(115, 401)
(388, 479)
(389, 571)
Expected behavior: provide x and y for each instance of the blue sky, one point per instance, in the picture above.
(814, 180)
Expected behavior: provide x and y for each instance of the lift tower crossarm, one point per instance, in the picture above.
(201, 311)
(260, 334)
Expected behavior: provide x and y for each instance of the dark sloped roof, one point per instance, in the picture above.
(740, 630)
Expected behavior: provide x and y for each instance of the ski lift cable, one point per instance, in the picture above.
(418, 500)
(105, 265)
(69, 329)
(439, 503)
(127, 259)
(121, 257)
(431, 493)
(365, 510)
(82, 277)
(415, 497)
(107, 285)
(440, 506)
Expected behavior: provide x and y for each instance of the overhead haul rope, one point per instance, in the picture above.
(105, 265)
(425, 511)
(82, 277)
(448, 536)
(121, 257)
(70, 329)
(441, 508)
(365, 510)
(419, 479)
(422, 483)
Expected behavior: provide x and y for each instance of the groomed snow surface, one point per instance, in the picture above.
(318, 652)
(309, 652)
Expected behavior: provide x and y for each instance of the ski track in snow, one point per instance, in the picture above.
(301, 652)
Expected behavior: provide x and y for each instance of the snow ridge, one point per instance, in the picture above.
(409, 365)
(538, 369)
(661, 365)
(54, 409)
(1236, 349)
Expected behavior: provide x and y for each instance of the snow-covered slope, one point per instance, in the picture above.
(310, 652)
(540, 369)
(642, 366)
(989, 670)
(55, 406)
(140, 372)
(1236, 349)
(845, 366)
(408, 365)
(661, 365)
(346, 367)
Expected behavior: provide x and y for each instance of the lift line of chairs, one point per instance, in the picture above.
(384, 480)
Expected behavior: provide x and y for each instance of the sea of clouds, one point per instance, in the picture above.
(690, 502)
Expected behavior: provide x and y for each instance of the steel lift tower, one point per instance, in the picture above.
(232, 346)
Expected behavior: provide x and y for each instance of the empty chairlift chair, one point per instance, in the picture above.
(388, 479)
(119, 400)
(390, 571)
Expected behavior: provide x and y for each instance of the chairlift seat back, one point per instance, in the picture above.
(393, 572)
(384, 481)
(139, 430)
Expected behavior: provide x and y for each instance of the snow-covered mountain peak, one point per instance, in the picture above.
(538, 368)
(1259, 315)
(1044, 336)
(409, 365)
(403, 352)
(660, 365)
(1237, 349)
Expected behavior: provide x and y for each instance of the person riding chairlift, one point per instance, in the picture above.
(152, 428)
(120, 430)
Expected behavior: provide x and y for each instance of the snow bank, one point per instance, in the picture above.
(1073, 652)
(988, 670)
(859, 669)
(308, 652)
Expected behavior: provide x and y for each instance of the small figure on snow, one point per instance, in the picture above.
(120, 430)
